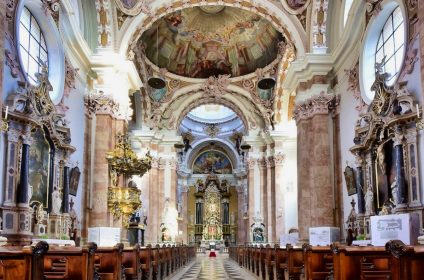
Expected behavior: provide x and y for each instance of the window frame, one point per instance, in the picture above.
(54, 45)
(369, 47)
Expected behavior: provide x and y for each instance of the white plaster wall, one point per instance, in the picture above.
(290, 185)
(76, 118)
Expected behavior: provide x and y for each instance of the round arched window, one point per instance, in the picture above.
(39, 42)
(391, 45)
(384, 44)
(32, 45)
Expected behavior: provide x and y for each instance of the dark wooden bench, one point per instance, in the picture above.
(146, 260)
(352, 263)
(132, 263)
(318, 262)
(407, 261)
(70, 263)
(108, 262)
(23, 263)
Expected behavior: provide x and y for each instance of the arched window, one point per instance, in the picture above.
(32, 45)
(391, 44)
(347, 6)
(39, 41)
(385, 38)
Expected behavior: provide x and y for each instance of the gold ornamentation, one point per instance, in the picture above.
(39, 95)
(124, 161)
(124, 201)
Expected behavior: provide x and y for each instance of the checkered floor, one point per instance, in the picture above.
(221, 267)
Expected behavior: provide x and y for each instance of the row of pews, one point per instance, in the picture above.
(90, 262)
(395, 261)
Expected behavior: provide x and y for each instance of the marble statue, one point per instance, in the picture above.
(56, 201)
(394, 189)
(40, 214)
(369, 201)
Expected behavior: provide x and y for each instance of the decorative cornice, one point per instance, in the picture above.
(316, 79)
(321, 104)
(99, 103)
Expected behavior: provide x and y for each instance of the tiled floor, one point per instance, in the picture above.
(221, 267)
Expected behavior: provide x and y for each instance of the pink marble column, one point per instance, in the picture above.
(271, 199)
(251, 195)
(152, 230)
(241, 222)
(279, 199)
(315, 166)
(264, 195)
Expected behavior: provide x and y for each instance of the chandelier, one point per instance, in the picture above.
(125, 200)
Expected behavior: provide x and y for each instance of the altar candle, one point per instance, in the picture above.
(7, 110)
(418, 110)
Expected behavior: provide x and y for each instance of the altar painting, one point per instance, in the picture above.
(38, 177)
(212, 162)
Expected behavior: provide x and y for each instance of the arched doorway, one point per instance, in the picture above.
(211, 171)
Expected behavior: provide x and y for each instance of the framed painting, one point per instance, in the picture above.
(39, 168)
(74, 180)
(132, 7)
(349, 175)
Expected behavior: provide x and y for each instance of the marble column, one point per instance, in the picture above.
(401, 199)
(252, 196)
(270, 190)
(316, 197)
(66, 189)
(152, 230)
(413, 167)
(22, 190)
(359, 179)
(12, 167)
(241, 219)
(279, 194)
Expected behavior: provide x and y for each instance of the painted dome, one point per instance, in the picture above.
(208, 41)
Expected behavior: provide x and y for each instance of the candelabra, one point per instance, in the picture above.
(125, 200)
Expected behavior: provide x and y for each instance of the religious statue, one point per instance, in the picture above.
(394, 189)
(40, 214)
(369, 201)
(56, 201)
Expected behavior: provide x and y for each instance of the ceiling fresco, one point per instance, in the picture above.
(208, 41)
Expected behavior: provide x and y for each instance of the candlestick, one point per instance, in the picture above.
(418, 110)
(7, 110)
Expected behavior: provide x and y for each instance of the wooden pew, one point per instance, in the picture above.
(108, 262)
(318, 262)
(70, 263)
(156, 263)
(407, 261)
(146, 260)
(270, 263)
(281, 255)
(294, 262)
(23, 263)
(262, 261)
(132, 263)
(352, 263)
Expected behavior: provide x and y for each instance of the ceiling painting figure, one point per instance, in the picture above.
(209, 41)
